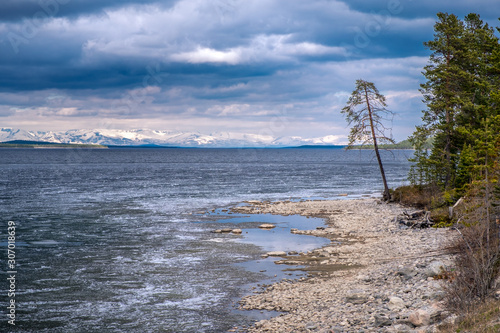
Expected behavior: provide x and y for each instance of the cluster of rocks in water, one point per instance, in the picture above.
(374, 277)
(266, 226)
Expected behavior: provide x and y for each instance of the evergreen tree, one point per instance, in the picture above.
(442, 94)
(365, 110)
(461, 91)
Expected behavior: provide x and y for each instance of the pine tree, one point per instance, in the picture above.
(442, 94)
(461, 91)
(365, 110)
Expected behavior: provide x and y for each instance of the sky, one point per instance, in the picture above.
(273, 67)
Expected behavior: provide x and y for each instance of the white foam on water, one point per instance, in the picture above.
(44, 242)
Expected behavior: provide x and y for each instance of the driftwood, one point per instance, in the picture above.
(451, 210)
(416, 219)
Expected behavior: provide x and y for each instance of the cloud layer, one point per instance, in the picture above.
(222, 65)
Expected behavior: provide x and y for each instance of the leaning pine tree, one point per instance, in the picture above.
(365, 112)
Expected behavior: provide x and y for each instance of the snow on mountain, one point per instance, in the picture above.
(7, 134)
(164, 138)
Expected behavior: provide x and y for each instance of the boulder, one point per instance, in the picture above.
(401, 328)
(237, 231)
(276, 253)
(267, 226)
(396, 303)
(356, 298)
(406, 273)
(420, 318)
(434, 268)
(381, 321)
(311, 326)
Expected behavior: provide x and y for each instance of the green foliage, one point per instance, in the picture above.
(463, 99)
(365, 112)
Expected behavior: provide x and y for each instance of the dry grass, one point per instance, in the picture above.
(484, 319)
(415, 196)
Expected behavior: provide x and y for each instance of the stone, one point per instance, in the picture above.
(267, 226)
(396, 303)
(293, 253)
(406, 273)
(420, 318)
(356, 298)
(218, 231)
(400, 328)
(434, 268)
(450, 320)
(276, 253)
(226, 230)
(237, 231)
(311, 326)
(381, 321)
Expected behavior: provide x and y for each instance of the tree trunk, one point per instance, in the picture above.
(387, 193)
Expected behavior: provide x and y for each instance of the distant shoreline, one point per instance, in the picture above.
(67, 146)
(53, 145)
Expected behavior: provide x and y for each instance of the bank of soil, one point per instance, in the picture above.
(376, 275)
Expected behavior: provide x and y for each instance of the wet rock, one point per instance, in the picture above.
(237, 231)
(276, 253)
(293, 253)
(226, 230)
(267, 226)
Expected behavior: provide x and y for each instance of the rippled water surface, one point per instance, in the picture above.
(115, 240)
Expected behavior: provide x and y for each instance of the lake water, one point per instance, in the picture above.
(118, 240)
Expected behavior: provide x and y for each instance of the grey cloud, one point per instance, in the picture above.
(149, 62)
(16, 10)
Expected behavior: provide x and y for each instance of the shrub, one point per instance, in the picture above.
(477, 257)
(418, 196)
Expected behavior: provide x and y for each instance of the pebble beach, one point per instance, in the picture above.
(376, 275)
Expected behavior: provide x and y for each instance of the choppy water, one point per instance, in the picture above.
(113, 241)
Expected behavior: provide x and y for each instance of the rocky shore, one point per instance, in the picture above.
(377, 275)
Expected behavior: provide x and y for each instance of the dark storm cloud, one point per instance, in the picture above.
(488, 9)
(15, 10)
(153, 62)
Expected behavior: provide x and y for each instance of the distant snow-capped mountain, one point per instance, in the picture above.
(163, 138)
